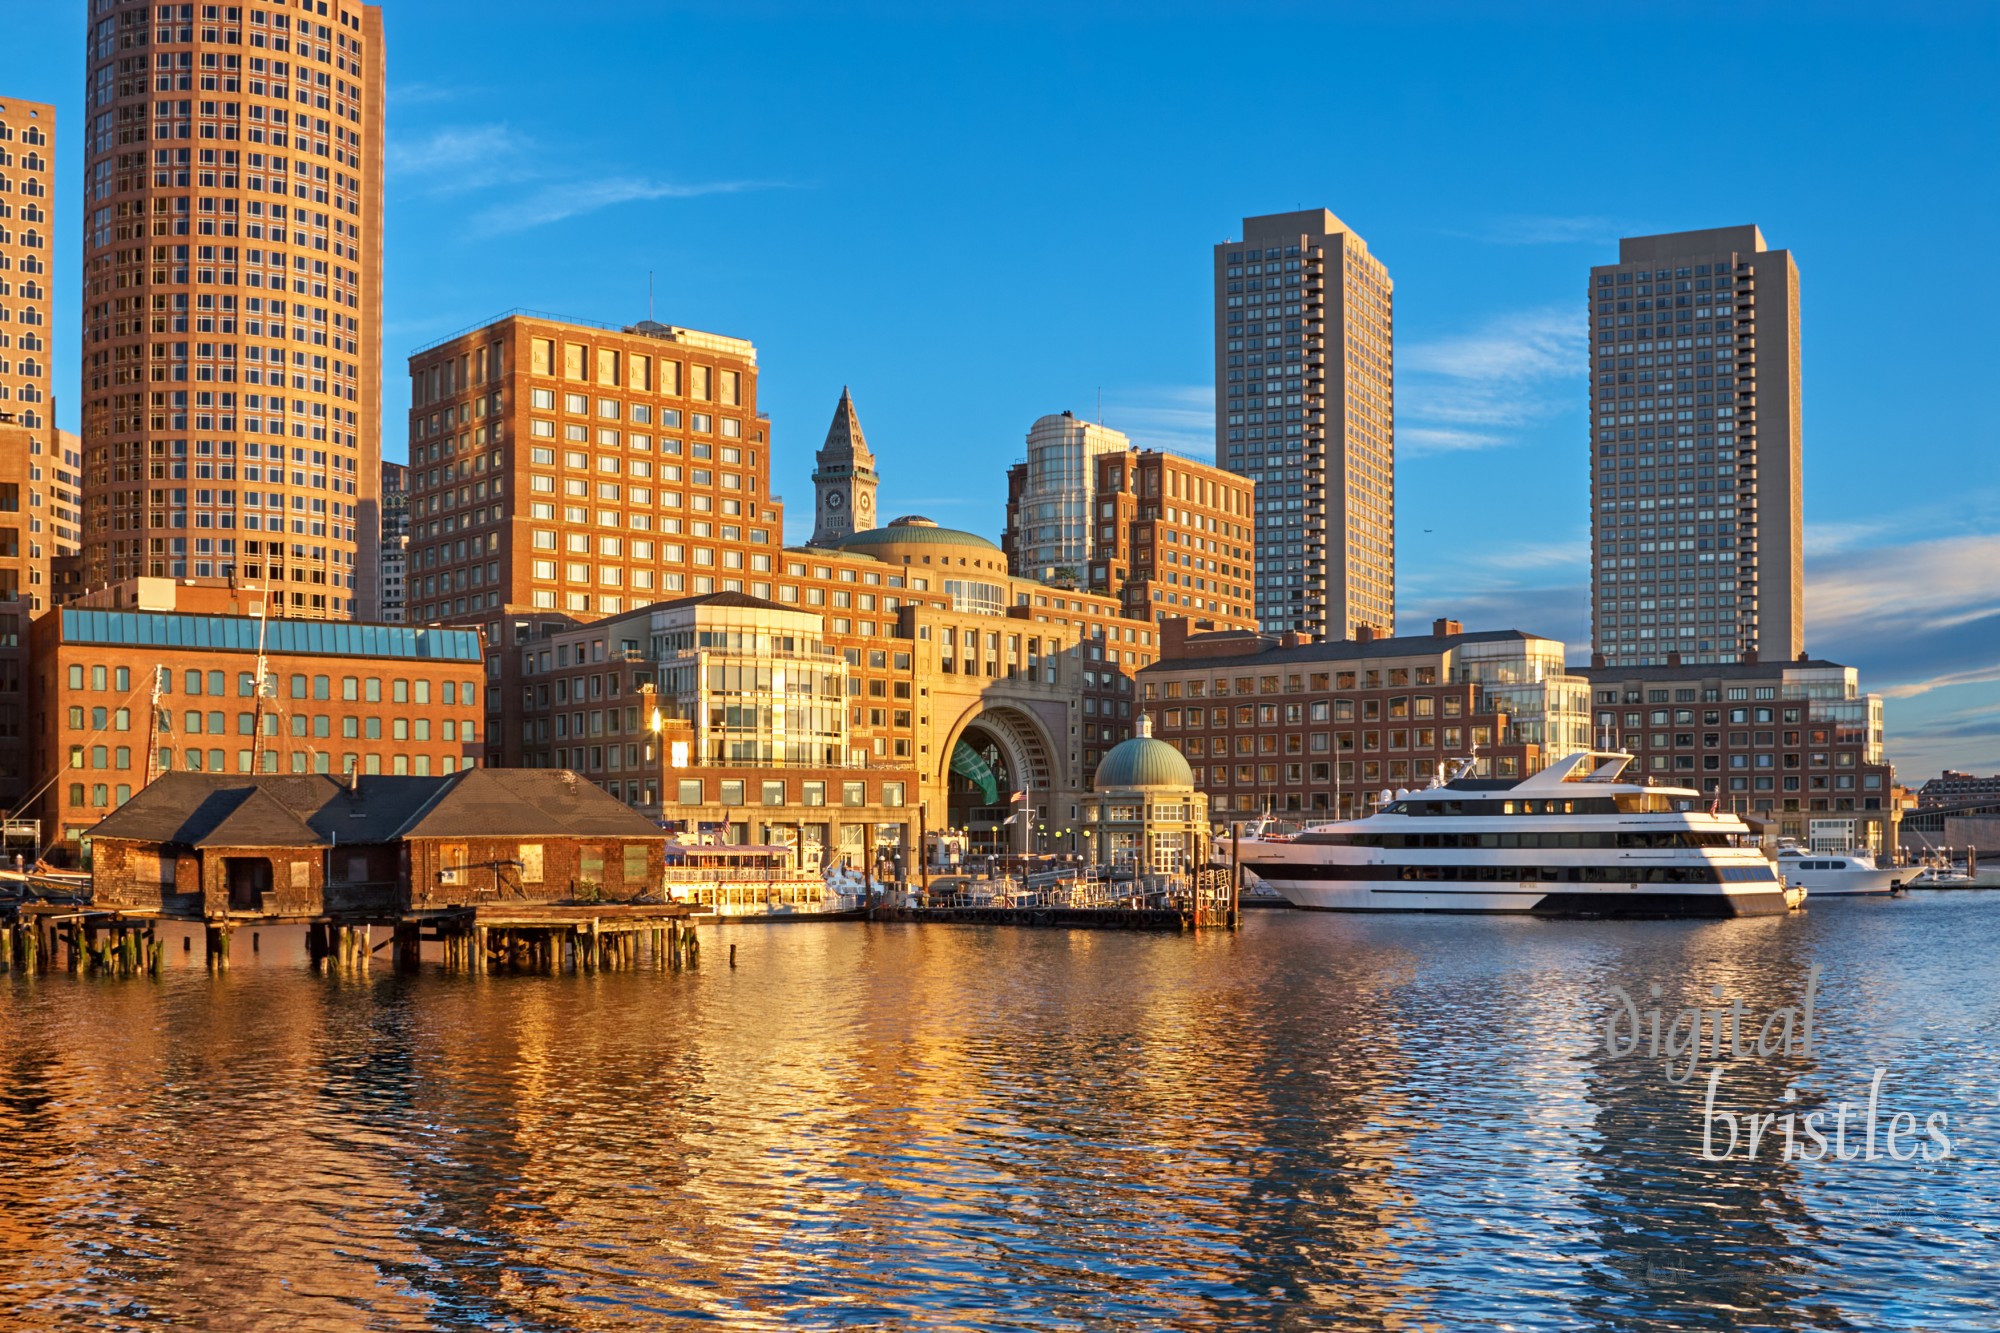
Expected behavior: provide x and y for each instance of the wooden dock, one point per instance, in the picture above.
(485, 938)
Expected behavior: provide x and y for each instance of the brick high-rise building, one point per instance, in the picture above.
(1172, 537)
(1695, 454)
(27, 184)
(564, 467)
(231, 353)
(1305, 404)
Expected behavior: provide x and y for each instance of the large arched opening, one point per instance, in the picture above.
(1000, 754)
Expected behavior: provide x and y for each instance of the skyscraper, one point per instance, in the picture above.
(1694, 475)
(27, 184)
(1051, 498)
(1305, 404)
(232, 297)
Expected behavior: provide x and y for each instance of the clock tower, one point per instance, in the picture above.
(844, 479)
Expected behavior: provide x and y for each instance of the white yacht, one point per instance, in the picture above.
(1576, 839)
(1838, 875)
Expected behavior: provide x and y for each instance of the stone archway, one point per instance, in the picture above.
(994, 753)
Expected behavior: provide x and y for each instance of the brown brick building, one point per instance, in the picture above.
(1173, 538)
(338, 698)
(563, 467)
(37, 529)
(1273, 723)
(232, 297)
(1794, 743)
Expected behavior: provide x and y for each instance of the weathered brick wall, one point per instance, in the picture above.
(502, 870)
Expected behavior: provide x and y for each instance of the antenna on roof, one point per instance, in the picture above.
(649, 296)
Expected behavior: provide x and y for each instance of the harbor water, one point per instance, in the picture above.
(1316, 1122)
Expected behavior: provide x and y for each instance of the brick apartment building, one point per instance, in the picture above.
(338, 697)
(1173, 538)
(1167, 536)
(1793, 743)
(1273, 723)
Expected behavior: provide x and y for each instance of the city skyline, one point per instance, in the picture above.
(1491, 405)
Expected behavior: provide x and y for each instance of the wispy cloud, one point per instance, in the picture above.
(485, 158)
(1917, 617)
(1543, 229)
(423, 94)
(568, 199)
(1476, 390)
(1176, 417)
(492, 152)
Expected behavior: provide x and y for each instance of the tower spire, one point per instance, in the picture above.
(844, 478)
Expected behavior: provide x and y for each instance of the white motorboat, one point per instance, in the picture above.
(1576, 839)
(1846, 874)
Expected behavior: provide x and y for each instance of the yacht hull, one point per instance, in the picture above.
(1529, 899)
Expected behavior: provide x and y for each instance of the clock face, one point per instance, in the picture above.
(835, 500)
(864, 504)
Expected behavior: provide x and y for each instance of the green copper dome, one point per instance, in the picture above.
(1142, 762)
(913, 529)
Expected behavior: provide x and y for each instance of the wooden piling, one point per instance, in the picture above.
(407, 947)
(216, 943)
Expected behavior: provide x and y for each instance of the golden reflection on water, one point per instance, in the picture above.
(1389, 1124)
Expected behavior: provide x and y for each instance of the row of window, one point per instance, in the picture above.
(1295, 683)
(1320, 742)
(401, 689)
(1318, 710)
(776, 792)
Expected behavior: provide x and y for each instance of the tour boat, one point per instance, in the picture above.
(754, 881)
(1838, 875)
(1576, 839)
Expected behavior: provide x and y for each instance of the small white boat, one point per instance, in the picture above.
(1849, 874)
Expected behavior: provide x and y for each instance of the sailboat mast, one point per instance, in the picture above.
(257, 732)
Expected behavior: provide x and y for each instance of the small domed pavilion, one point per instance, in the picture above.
(1144, 812)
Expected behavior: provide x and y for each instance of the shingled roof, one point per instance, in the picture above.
(318, 810)
(503, 802)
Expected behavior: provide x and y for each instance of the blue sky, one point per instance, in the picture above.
(975, 214)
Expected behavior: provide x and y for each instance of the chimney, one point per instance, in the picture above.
(1597, 660)
(1749, 657)
(1674, 658)
(1173, 637)
(1291, 638)
(1444, 628)
(1804, 656)
(1364, 633)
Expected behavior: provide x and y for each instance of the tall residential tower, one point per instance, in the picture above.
(1305, 405)
(1695, 494)
(1051, 498)
(27, 184)
(231, 351)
